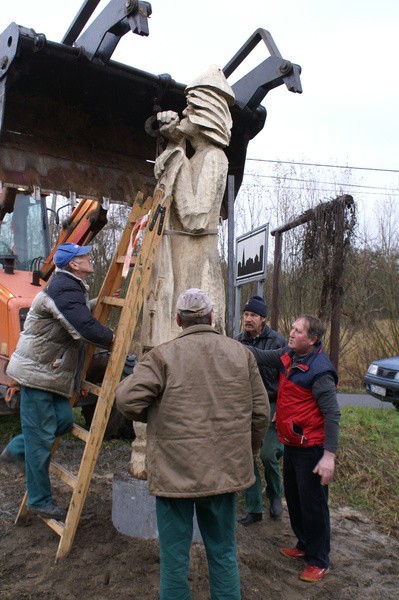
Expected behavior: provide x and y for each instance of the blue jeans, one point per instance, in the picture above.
(44, 416)
(216, 516)
(307, 502)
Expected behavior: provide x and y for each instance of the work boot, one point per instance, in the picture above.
(250, 518)
(7, 460)
(51, 511)
(275, 508)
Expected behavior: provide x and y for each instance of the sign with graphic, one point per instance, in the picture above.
(251, 255)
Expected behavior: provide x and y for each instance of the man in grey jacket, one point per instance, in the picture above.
(259, 335)
(45, 364)
(207, 411)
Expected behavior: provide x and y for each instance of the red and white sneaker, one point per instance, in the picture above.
(292, 552)
(312, 573)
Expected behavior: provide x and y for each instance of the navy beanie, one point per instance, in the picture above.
(257, 305)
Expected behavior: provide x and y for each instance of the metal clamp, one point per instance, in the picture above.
(159, 212)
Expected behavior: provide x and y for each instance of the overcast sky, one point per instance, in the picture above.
(348, 51)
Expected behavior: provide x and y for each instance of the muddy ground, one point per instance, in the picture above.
(106, 565)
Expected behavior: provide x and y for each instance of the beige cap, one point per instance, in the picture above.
(194, 301)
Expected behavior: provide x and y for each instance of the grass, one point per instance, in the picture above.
(367, 474)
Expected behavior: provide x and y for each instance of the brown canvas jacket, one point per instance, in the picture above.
(207, 411)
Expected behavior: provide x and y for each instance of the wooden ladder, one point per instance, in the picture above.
(131, 306)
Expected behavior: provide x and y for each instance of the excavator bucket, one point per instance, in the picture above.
(68, 124)
(72, 121)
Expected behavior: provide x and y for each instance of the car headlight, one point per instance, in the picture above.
(372, 369)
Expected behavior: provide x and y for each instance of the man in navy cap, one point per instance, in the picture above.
(256, 333)
(46, 363)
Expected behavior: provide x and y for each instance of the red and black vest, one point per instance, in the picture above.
(299, 420)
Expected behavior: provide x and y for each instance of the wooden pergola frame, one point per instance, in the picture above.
(339, 204)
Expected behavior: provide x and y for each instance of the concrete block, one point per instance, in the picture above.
(133, 509)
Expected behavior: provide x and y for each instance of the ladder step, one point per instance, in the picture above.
(80, 433)
(90, 388)
(56, 526)
(120, 260)
(63, 474)
(112, 301)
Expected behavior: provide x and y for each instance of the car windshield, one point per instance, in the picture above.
(24, 233)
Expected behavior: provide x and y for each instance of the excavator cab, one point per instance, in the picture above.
(24, 233)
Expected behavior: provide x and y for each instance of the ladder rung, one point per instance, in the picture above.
(111, 300)
(63, 474)
(56, 526)
(80, 433)
(121, 260)
(90, 388)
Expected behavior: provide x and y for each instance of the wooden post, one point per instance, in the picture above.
(276, 280)
(336, 283)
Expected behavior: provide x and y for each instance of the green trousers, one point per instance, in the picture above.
(44, 416)
(271, 452)
(216, 516)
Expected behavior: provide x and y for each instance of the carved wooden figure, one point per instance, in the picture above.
(193, 170)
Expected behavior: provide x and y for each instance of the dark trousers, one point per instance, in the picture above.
(307, 502)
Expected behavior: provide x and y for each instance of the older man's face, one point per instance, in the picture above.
(253, 323)
(299, 340)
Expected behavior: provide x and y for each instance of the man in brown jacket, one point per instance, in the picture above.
(207, 412)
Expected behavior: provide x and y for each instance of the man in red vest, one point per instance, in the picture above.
(307, 421)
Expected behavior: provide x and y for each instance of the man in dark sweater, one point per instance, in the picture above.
(259, 335)
(307, 421)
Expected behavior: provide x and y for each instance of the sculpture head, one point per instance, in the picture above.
(208, 100)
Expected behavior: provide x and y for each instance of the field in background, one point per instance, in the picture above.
(359, 349)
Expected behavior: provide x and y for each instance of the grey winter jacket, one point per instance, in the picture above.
(59, 320)
(268, 339)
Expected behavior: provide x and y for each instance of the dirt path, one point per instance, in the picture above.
(105, 565)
